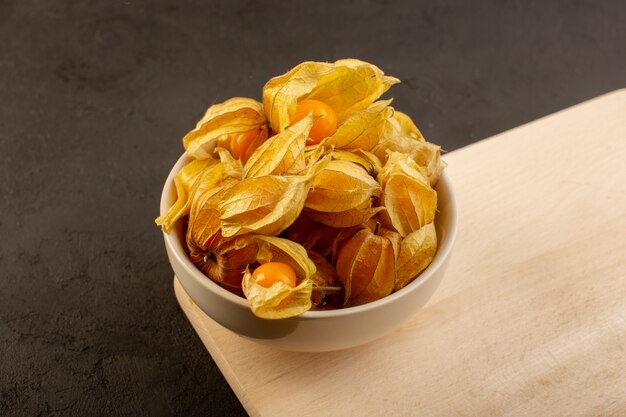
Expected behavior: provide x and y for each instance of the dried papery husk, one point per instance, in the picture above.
(225, 260)
(348, 218)
(222, 121)
(325, 279)
(233, 168)
(184, 181)
(400, 134)
(352, 87)
(204, 220)
(366, 163)
(347, 86)
(406, 127)
(313, 153)
(282, 153)
(265, 205)
(281, 93)
(342, 185)
(417, 251)
(361, 130)
(393, 138)
(372, 159)
(425, 154)
(409, 200)
(204, 217)
(279, 301)
(318, 237)
(428, 156)
(366, 265)
(276, 249)
(398, 125)
(400, 144)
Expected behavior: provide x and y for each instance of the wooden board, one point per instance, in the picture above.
(530, 319)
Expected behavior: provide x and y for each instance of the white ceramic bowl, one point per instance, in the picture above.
(313, 331)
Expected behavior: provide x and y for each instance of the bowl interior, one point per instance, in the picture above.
(445, 224)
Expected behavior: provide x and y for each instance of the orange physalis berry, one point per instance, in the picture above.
(271, 272)
(240, 143)
(325, 123)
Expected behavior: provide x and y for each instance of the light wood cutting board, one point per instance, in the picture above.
(530, 319)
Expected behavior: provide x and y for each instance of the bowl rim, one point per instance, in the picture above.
(443, 252)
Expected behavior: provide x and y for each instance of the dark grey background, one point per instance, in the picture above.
(95, 99)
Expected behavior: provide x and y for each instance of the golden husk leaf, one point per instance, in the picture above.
(352, 87)
(360, 159)
(276, 249)
(425, 154)
(388, 144)
(417, 251)
(313, 153)
(282, 153)
(265, 205)
(362, 130)
(234, 116)
(347, 86)
(224, 260)
(184, 181)
(204, 216)
(233, 168)
(399, 134)
(348, 218)
(428, 156)
(406, 126)
(342, 185)
(325, 278)
(371, 158)
(279, 301)
(366, 266)
(325, 274)
(409, 199)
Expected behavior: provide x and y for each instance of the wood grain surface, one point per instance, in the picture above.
(530, 319)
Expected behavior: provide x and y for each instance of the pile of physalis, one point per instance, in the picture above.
(320, 197)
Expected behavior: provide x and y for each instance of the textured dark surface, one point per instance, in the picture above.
(95, 99)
